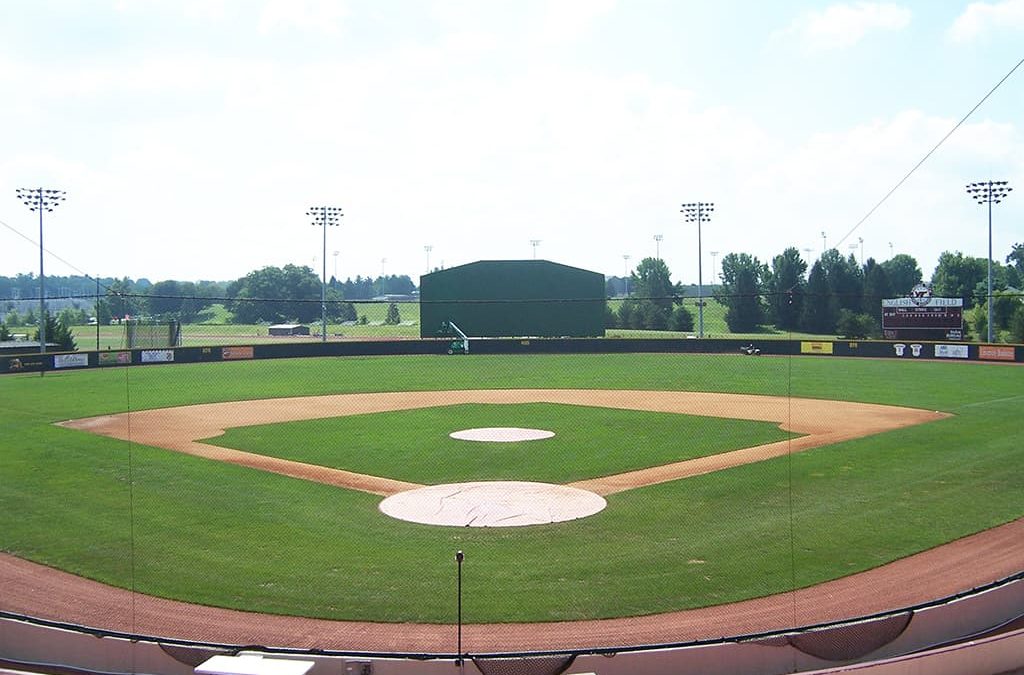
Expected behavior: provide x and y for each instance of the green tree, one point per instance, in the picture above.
(13, 319)
(4, 333)
(740, 292)
(820, 310)
(1017, 324)
(903, 273)
(855, 326)
(1016, 257)
(876, 289)
(957, 276)
(276, 294)
(845, 280)
(73, 316)
(785, 287)
(59, 334)
(393, 318)
(681, 319)
(121, 300)
(629, 317)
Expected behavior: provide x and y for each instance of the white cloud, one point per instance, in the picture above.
(568, 20)
(843, 25)
(320, 16)
(982, 17)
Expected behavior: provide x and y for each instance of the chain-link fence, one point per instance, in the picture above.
(605, 492)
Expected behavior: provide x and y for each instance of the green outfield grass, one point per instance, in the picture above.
(187, 528)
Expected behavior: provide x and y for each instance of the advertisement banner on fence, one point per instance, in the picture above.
(20, 364)
(951, 351)
(157, 356)
(70, 360)
(115, 358)
(815, 347)
(233, 353)
(990, 353)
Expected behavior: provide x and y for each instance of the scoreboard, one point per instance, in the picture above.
(923, 318)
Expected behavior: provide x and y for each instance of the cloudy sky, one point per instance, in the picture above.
(192, 136)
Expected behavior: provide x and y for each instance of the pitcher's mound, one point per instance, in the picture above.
(501, 434)
(492, 504)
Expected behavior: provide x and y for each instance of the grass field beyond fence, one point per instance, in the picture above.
(202, 531)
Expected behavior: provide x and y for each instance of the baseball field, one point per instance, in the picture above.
(164, 517)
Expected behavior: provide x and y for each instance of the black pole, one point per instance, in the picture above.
(97, 310)
(459, 557)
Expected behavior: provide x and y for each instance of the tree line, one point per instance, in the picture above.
(839, 296)
(271, 294)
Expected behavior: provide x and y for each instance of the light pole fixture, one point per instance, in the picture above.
(428, 248)
(657, 246)
(698, 212)
(625, 271)
(41, 199)
(535, 243)
(989, 192)
(324, 216)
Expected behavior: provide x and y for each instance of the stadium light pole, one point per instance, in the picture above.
(535, 243)
(657, 246)
(324, 216)
(41, 199)
(989, 192)
(824, 242)
(714, 265)
(625, 271)
(428, 248)
(699, 212)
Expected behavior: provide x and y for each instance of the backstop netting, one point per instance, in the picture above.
(682, 480)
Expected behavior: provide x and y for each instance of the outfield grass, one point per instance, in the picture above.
(188, 528)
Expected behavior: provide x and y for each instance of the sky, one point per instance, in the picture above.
(192, 136)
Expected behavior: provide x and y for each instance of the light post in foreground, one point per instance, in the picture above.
(324, 216)
(989, 192)
(459, 557)
(41, 199)
(699, 212)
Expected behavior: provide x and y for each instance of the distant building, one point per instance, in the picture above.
(288, 329)
(513, 298)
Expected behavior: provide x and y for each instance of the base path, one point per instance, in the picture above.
(32, 589)
(817, 422)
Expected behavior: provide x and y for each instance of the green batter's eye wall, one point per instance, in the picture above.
(513, 298)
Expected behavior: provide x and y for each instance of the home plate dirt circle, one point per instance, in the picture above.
(492, 504)
(501, 434)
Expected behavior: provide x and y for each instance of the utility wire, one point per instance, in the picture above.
(55, 256)
(925, 158)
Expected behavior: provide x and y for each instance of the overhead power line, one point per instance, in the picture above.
(929, 154)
